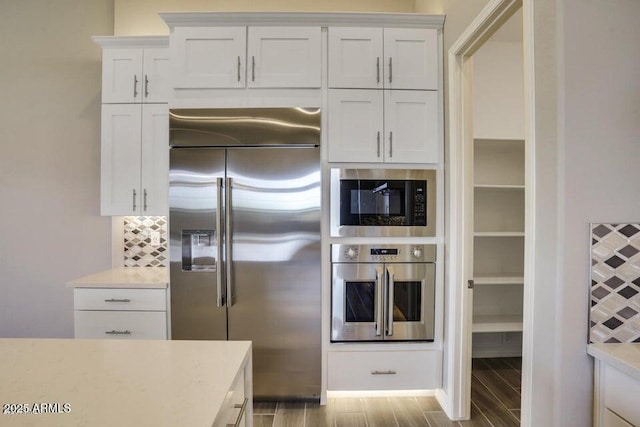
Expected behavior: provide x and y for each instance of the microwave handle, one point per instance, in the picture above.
(390, 299)
(379, 300)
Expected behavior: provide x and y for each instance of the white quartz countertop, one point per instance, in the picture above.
(125, 277)
(118, 382)
(623, 357)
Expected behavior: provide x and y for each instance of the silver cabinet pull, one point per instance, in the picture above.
(383, 372)
(146, 86)
(242, 407)
(391, 302)
(238, 68)
(253, 68)
(135, 86)
(117, 300)
(378, 69)
(390, 144)
(144, 198)
(219, 299)
(390, 69)
(228, 244)
(114, 332)
(378, 300)
(134, 200)
(378, 140)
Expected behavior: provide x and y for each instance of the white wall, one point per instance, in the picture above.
(599, 134)
(498, 98)
(50, 228)
(134, 17)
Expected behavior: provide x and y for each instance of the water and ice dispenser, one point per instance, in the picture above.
(199, 249)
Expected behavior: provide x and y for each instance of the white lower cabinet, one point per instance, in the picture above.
(616, 398)
(106, 313)
(383, 370)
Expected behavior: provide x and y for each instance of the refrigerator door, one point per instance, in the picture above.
(274, 279)
(197, 297)
(410, 301)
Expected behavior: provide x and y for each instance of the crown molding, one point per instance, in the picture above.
(131, 41)
(293, 19)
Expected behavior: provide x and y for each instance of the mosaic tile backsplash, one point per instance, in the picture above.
(138, 251)
(615, 283)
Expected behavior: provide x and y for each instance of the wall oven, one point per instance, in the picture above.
(383, 202)
(383, 292)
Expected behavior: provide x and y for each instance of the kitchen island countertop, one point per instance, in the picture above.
(117, 382)
(125, 277)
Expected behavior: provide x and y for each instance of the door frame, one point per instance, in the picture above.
(457, 402)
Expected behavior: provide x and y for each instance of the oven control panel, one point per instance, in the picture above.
(383, 253)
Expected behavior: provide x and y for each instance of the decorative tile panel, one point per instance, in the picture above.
(138, 251)
(615, 283)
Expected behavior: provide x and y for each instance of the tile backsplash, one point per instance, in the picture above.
(615, 283)
(138, 250)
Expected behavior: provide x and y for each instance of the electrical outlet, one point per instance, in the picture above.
(155, 238)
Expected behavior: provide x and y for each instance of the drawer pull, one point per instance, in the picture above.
(114, 332)
(383, 372)
(117, 300)
(242, 407)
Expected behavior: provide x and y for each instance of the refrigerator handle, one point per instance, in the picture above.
(228, 247)
(378, 300)
(390, 300)
(219, 299)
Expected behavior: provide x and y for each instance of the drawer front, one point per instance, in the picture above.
(121, 324)
(621, 395)
(384, 370)
(120, 299)
(231, 410)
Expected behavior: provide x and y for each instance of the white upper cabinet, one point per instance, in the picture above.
(390, 58)
(383, 126)
(356, 128)
(237, 57)
(211, 57)
(134, 159)
(135, 74)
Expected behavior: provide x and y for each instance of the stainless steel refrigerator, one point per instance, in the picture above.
(244, 196)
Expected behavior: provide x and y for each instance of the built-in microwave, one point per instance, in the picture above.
(383, 202)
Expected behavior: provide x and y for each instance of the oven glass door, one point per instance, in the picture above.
(410, 302)
(357, 302)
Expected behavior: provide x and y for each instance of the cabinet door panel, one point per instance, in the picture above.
(355, 125)
(208, 57)
(411, 127)
(121, 75)
(355, 58)
(155, 159)
(120, 159)
(155, 85)
(284, 57)
(413, 54)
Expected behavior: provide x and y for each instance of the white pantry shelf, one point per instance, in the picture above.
(497, 323)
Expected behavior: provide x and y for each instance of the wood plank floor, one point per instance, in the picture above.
(495, 402)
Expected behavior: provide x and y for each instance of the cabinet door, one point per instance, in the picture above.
(155, 159)
(355, 125)
(411, 58)
(122, 75)
(155, 81)
(411, 127)
(208, 57)
(284, 57)
(355, 58)
(120, 159)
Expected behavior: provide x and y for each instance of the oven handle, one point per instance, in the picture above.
(390, 300)
(379, 301)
